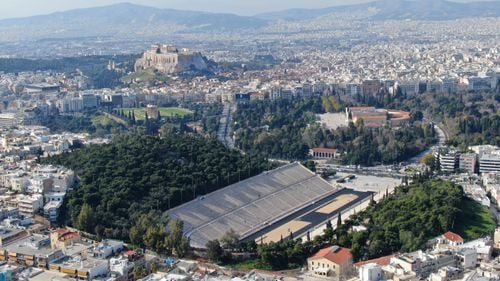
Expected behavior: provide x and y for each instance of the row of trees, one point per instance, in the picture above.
(129, 116)
(208, 114)
(135, 174)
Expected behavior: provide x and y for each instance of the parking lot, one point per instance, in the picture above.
(375, 184)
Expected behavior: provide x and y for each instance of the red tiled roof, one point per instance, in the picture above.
(130, 253)
(324, 150)
(66, 234)
(361, 107)
(453, 237)
(61, 230)
(380, 261)
(341, 256)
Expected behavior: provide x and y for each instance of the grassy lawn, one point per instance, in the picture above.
(140, 113)
(475, 221)
(103, 121)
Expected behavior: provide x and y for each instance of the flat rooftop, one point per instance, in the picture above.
(79, 264)
(50, 275)
(32, 245)
(8, 232)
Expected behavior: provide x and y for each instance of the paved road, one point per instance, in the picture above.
(117, 119)
(441, 141)
(225, 134)
(380, 171)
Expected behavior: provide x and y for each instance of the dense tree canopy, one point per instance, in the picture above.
(478, 130)
(404, 221)
(287, 129)
(468, 118)
(135, 174)
(89, 122)
(275, 128)
(362, 145)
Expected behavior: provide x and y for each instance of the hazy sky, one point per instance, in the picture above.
(20, 8)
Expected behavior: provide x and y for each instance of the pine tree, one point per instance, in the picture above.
(85, 220)
(328, 232)
(146, 123)
(372, 200)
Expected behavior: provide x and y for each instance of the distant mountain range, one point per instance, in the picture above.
(127, 14)
(135, 20)
(123, 19)
(397, 10)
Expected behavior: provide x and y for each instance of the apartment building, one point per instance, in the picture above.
(332, 261)
(489, 162)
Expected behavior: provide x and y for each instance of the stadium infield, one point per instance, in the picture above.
(311, 216)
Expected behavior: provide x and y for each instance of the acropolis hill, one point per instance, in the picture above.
(169, 60)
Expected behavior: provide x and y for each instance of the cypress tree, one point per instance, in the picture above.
(339, 220)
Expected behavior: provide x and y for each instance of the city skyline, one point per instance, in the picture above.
(247, 8)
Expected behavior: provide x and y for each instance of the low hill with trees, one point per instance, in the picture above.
(94, 67)
(123, 181)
